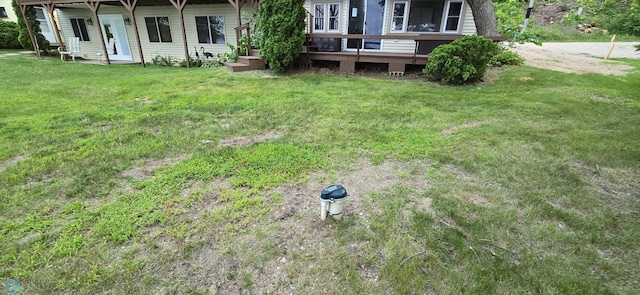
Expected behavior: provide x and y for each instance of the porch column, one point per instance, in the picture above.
(237, 4)
(56, 32)
(94, 5)
(34, 40)
(179, 5)
(131, 7)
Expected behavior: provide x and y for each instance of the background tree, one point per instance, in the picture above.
(484, 16)
(281, 24)
(24, 38)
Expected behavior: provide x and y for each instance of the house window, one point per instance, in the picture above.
(454, 11)
(323, 19)
(334, 17)
(210, 29)
(425, 16)
(318, 16)
(399, 11)
(79, 29)
(3, 13)
(158, 28)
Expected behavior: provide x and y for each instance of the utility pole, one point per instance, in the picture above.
(526, 19)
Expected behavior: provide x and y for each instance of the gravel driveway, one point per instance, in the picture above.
(579, 57)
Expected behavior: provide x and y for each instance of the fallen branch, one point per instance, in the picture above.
(414, 255)
(496, 244)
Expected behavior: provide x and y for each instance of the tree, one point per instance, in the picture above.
(24, 37)
(484, 16)
(281, 24)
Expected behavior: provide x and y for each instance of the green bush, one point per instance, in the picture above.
(281, 24)
(24, 37)
(507, 58)
(461, 61)
(9, 32)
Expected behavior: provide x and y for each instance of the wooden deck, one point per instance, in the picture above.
(397, 61)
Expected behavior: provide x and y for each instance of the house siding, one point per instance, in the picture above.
(11, 15)
(175, 48)
(467, 26)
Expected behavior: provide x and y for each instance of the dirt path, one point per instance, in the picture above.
(579, 57)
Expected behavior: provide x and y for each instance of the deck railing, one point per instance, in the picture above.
(239, 33)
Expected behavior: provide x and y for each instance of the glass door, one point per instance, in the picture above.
(113, 28)
(366, 17)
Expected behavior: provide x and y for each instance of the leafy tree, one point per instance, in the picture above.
(24, 38)
(281, 24)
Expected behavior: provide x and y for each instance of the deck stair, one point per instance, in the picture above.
(246, 63)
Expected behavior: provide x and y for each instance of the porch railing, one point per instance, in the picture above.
(239, 34)
(416, 38)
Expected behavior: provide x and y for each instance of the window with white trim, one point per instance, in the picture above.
(334, 17)
(210, 29)
(3, 13)
(454, 11)
(326, 20)
(79, 29)
(399, 12)
(318, 16)
(158, 28)
(434, 16)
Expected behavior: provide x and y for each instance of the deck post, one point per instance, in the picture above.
(237, 4)
(179, 5)
(93, 6)
(130, 5)
(34, 40)
(56, 31)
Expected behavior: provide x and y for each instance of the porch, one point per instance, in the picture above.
(396, 61)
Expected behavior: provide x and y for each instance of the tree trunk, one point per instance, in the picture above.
(484, 17)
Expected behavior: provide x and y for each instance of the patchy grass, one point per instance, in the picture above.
(133, 180)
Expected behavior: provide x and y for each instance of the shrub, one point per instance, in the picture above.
(24, 37)
(461, 61)
(9, 32)
(507, 58)
(281, 24)
(164, 61)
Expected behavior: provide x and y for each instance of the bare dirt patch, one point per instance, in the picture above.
(618, 188)
(11, 161)
(579, 58)
(146, 170)
(548, 13)
(248, 140)
(144, 100)
(294, 237)
(469, 124)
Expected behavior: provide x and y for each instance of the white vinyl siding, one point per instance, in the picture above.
(11, 16)
(174, 49)
(468, 24)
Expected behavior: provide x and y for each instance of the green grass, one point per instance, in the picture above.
(111, 182)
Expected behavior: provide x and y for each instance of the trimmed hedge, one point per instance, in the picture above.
(9, 32)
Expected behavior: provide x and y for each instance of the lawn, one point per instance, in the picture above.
(130, 180)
